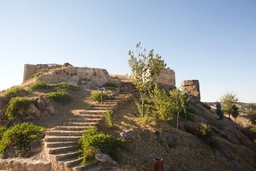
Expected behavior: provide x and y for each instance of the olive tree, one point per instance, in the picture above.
(228, 100)
(145, 67)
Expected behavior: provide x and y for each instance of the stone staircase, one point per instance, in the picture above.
(61, 142)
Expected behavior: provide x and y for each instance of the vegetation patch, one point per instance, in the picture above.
(36, 75)
(16, 104)
(204, 132)
(38, 85)
(93, 141)
(20, 136)
(109, 84)
(96, 96)
(14, 91)
(109, 118)
(65, 85)
(59, 97)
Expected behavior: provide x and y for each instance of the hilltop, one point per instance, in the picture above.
(231, 148)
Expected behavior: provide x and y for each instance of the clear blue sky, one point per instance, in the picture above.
(212, 41)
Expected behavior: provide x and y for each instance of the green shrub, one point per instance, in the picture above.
(38, 85)
(147, 107)
(35, 75)
(108, 117)
(17, 103)
(191, 128)
(191, 110)
(96, 96)
(14, 91)
(109, 84)
(20, 136)
(204, 132)
(2, 130)
(92, 141)
(59, 97)
(65, 85)
(189, 116)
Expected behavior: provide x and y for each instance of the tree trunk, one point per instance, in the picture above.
(142, 104)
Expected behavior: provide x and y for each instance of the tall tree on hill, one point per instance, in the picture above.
(145, 67)
(228, 100)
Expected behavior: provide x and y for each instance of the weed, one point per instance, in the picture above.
(108, 117)
(14, 91)
(36, 75)
(20, 136)
(59, 97)
(92, 141)
(109, 84)
(65, 85)
(38, 85)
(204, 132)
(96, 96)
(15, 104)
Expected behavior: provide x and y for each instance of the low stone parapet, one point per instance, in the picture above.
(24, 164)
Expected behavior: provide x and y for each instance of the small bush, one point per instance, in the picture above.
(65, 85)
(36, 75)
(15, 104)
(2, 130)
(92, 141)
(147, 107)
(20, 136)
(38, 85)
(14, 91)
(191, 128)
(191, 110)
(109, 84)
(204, 132)
(96, 96)
(59, 97)
(189, 116)
(108, 117)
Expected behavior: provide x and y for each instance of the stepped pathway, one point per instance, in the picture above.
(61, 142)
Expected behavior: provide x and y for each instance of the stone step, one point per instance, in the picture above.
(86, 115)
(61, 138)
(88, 123)
(64, 156)
(63, 133)
(81, 167)
(60, 144)
(71, 128)
(81, 119)
(91, 111)
(100, 108)
(59, 150)
(72, 161)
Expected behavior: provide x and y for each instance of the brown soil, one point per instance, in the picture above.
(187, 153)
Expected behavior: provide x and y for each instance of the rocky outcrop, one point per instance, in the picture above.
(192, 88)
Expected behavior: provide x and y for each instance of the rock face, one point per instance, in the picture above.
(77, 76)
(192, 88)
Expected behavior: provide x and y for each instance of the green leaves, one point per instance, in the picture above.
(20, 136)
(60, 97)
(93, 141)
(145, 68)
(228, 100)
(15, 104)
